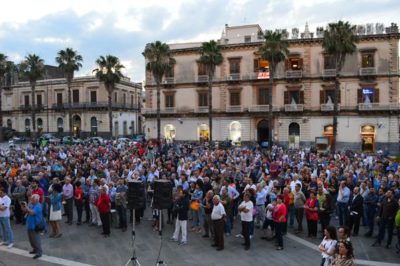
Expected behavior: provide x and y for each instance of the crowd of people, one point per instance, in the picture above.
(212, 188)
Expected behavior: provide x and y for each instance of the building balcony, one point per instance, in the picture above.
(84, 105)
(294, 74)
(329, 107)
(29, 108)
(169, 81)
(234, 109)
(234, 77)
(375, 107)
(294, 107)
(201, 109)
(367, 71)
(329, 73)
(202, 79)
(263, 108)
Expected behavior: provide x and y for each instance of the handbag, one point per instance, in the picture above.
(40, 226)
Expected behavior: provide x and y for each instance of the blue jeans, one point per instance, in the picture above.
(5, 229)
(228, 224)
(342, 213)
(291, 215)
(197, 217)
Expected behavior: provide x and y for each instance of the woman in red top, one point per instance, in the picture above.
(104, 206)
(311, 211)
(78, 195)
(279, 216)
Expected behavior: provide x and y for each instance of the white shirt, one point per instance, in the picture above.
(330, 245)
(218, 212)
(293, 184)
(246, 216)
(5, 201)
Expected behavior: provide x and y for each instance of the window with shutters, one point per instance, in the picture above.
(170, 100)
(201, 69)
(329, 62)
(327, 96)
(93, 96)
(234, 65)
(262, 96)
(75, 96)
(294, 97)
(59, 98)
(235, 98)
(26, 100)
(367, 60)
(39, 101)
(368, 95)
(203, 98)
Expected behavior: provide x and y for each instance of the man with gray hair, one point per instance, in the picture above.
(34, 218)
(217, 216)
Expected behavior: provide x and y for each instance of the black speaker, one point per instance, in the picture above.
(135, 195)
(162, 194)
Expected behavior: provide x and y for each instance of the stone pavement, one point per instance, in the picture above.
(86, 245)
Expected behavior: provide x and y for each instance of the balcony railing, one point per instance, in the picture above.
(329, 73)
(328, 107)
(83, 105)
(233, 77)
(263, 108)
(234, 109)
(26, 107)
(169, 81)
(294, 74)
(367, 71)
(373, 107)
(202, 79)
(202, 109)
(294, 107)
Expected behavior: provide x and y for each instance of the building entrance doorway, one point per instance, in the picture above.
(262, 131)
(367, 138)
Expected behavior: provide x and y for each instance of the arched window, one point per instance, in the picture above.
(294, 129)
(60, 125)
(169, 132)
(294, 135)
(40, 125)
(125, 128)
(27, 124)
(235, 131)
(9, 123)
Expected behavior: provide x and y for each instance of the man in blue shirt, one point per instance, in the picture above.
(34, 218)
(342, 203)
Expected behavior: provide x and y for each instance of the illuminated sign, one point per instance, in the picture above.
(368, 91)
(263, 75)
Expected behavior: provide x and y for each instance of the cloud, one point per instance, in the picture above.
(123, 28)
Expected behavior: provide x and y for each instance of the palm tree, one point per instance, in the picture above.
(274, 50)
(3, 72)
(339, 41)
(210, 58)
(69, 61)
(33, 69)
(109, 71)
(159, 62)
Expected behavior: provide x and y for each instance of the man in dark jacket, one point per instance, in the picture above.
(371, 203)
(386, 214)
(355, 210)
(182, 207)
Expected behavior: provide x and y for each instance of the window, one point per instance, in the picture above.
(367, 60)
(9, 123)
(294, 97)
(247, 39)
(294, 63)
(93, 126)
(59, 98)
(124, 99)
(115, 97)
(234, 66)
(39, 100)
(203, 98)
(169, 100)
(40, 125)
(26, 100)
(261, 65)
(75, 96)
(60, 125)
(235, 98)
(368, 95)
(329, 62)
(93, 96)
(262, 96)
(125, 128)
(327, 96)
(133, 127)
(132, 100)
(201, 69)
(27, 124)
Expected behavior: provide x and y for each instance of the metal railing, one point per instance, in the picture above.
(202, 79)
(233, 77)
(367, 71)
(329, 72)
(373, 107)
(328, 107)
(201, 109)
(29, 107)
(294, 74)
(294, 107)
(234, 108)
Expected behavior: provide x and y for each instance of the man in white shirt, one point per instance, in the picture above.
(217, 216)
(5, 227)
(246, 215)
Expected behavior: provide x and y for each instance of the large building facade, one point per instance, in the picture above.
(89, 107)
(301, 97)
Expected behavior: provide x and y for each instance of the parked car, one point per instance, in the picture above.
(50, 138)
(139, 138)
(71, 140)
(98, 140)
(17, 140)
(8, 133)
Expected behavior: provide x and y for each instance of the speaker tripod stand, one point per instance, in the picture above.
(159, 260)
(133, 259)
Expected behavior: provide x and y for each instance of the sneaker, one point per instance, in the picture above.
(10, 245)
(173, 239)
(239, 236)
(182, 243)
